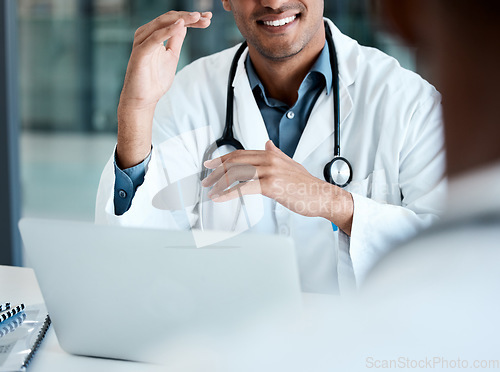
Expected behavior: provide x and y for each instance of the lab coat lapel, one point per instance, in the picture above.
(321, 124)
(249, 126)
(250, 130)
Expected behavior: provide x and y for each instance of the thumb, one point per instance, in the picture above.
(175, 41)
(270, 146)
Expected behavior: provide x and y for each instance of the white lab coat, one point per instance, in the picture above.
(391, 132)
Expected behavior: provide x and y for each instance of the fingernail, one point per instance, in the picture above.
(178, 21)
(194, 14)
(204, 182)
(205, 14)
(214, 196)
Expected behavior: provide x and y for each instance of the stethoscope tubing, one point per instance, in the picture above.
(341, 178)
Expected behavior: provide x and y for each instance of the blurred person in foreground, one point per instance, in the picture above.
(458, 40)
(437, 296)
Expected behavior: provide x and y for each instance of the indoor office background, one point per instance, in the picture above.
(71, 59)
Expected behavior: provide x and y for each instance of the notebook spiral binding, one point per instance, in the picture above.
(10, 312)
(39, 339)
(13, 325)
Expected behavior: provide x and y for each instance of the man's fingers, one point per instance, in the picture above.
(206, 15)
(271, 147)
(174, 43)
(191, 19)
(253, 157)
(203, 22)
(217, 173)
(247, 188)
(174, 35)
(238, 173)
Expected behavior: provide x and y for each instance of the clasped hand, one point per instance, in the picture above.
(274, 174)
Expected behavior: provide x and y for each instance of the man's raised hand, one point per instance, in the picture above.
(150, 73)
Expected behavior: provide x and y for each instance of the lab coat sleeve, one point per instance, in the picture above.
(378, 226)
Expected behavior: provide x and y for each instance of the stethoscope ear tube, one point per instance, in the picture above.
(338, 171)
(227, 138)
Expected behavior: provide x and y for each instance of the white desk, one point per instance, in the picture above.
(20, 285)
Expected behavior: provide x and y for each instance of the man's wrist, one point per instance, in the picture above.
(130, 157)
(340, 209)
(134, 136)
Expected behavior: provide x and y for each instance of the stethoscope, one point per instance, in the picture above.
(337, 172)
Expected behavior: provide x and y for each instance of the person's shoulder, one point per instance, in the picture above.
(386, 71)
(369, 68)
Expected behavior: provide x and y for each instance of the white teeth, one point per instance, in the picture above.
(280, 22)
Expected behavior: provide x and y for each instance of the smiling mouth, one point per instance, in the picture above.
(280, 22)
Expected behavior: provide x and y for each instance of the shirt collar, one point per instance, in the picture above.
(324, 67)
(321, 66)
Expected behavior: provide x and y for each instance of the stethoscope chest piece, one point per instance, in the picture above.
(338, 172)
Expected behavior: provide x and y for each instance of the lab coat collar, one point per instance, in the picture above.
(321, 121)
(347, 53)
(249, 125)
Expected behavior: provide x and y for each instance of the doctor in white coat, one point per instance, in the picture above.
(390, 132)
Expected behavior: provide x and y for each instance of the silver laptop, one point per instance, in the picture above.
(135, 294)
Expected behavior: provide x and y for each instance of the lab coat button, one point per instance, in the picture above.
(122, 194)
(290, 115)
(284, 230)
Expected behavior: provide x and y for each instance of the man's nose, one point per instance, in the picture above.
(273, 4)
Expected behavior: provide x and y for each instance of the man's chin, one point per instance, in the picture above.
(278, 53)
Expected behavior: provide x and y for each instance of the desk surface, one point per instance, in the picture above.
(21, 286)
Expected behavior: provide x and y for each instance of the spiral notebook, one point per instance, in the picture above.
(20, 337)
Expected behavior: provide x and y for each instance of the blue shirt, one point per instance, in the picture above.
(126, 183)
(284, 124)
